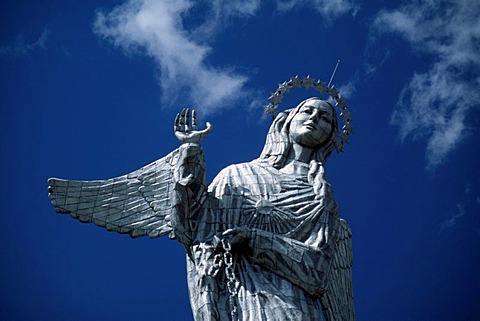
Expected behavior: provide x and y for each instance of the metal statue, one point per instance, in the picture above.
(264, 241)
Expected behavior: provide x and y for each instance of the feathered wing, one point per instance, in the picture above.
(139, 203)
(337, 301)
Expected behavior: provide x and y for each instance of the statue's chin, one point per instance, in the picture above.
(309, 142)
(308, 139)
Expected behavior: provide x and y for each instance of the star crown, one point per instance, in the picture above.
(295, 82)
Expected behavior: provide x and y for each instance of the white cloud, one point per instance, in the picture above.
(156, 28)
(347, 90)
(329, 9)
(170, 33)
(436, 102)
(21, 48)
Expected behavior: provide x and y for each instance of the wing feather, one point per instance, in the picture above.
(138, 203)
(337, 301)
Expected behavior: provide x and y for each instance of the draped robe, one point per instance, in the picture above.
(281, 271)
(297, 251)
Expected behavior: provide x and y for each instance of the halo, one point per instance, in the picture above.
(295, 82)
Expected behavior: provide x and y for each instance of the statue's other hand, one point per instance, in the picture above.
(317, 177)
(238, 235)
(186, 133)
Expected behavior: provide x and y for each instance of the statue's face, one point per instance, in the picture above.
(312, 124)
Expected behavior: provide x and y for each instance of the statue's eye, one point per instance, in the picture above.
(307, 111)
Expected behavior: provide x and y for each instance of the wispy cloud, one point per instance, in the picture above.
(170, 33)
(329, 9)
(219, 13)
(348, 89)
(466, 212)
(156, 28)
(371, 68)
(436, 102)
(452, 221)
(23, 48)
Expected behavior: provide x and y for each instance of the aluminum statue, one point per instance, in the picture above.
(263, 241)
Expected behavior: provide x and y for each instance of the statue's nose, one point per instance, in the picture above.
(314, 117)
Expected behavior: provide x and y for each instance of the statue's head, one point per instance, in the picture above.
(312, 124)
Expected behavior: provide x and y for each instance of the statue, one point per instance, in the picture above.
(263, 242)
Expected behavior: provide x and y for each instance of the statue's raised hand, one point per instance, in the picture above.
(186, 133)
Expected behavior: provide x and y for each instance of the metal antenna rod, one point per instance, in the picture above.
(334, 71)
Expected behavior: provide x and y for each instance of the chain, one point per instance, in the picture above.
(231, 279)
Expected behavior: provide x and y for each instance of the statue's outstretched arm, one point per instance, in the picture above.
(190, 190)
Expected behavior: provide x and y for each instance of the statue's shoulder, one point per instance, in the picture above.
(238, 173)
(248, 168)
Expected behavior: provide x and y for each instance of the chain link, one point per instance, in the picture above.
(231, 279)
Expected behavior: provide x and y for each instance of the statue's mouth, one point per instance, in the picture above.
(311, 125)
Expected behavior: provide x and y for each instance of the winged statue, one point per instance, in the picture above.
(263, 241)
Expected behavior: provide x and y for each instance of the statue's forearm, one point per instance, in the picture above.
(299, 263)
(189, 166)
(189, 191)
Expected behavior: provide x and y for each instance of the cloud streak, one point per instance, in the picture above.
(21, 48)
(452, 221)
(156, 28)
(329, 9)
(436, 102)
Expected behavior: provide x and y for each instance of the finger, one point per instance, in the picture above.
(182, 119)
(230, 231)
(321, 233)
(322, 173)
(312, 171)
(187, 120)
(321, 170)
(204, 133)
(194, 120)
(186, 181)
(176, 126)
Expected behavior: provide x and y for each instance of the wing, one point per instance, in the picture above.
(138, 203)
(337, 301)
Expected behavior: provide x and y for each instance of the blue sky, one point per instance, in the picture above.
(90, 91)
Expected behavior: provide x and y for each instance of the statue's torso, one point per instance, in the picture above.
(253, 195)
